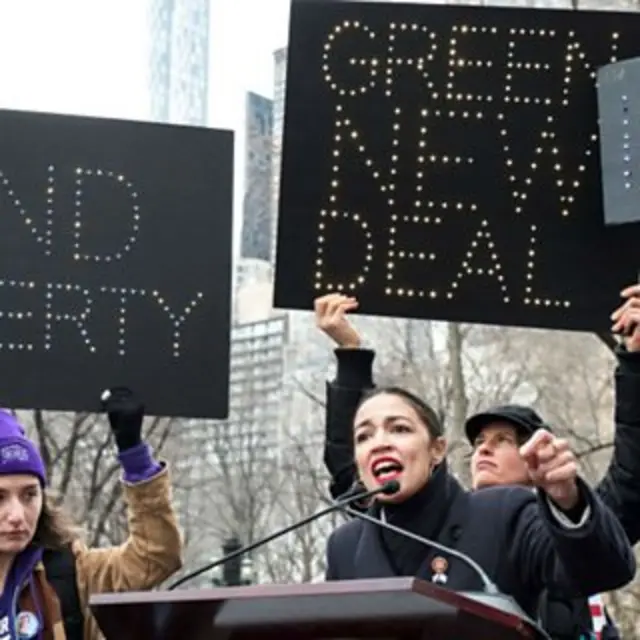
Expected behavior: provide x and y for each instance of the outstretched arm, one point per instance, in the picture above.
(578, 556)
(572, 541)
(153, 549)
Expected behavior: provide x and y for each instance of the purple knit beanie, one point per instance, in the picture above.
(17, 453)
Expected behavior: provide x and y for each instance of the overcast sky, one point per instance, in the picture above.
(90, 57)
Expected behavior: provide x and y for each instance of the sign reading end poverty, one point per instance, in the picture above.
(452, 170)
(115, 253)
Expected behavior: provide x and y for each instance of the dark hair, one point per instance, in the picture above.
(55, 529)
(425, 412)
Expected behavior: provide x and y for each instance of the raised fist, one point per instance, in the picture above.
(126, 414)
(552, 467)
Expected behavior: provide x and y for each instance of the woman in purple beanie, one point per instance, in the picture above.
(47, 573)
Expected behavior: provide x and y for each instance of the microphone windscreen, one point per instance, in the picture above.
(391, 487)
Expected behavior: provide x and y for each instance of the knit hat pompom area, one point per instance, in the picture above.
(18, 454)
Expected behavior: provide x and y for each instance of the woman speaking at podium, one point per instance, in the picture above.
(496, 436)
(561, 535)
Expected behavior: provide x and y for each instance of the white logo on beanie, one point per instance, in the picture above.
(14, 453)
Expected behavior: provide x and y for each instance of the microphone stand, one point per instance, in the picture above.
(388, 488)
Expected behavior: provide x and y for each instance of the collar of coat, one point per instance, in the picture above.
(45, 606)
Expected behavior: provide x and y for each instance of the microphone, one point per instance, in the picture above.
(388, 488)
(490, 595)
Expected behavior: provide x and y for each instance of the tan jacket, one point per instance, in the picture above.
(151, 553)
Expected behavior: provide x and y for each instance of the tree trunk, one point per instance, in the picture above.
(459, 402)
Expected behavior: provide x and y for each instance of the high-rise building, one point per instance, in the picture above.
(307, 356)
(280, 81)
(253, 292)
(254, 268)
(237, 456)
(257, 215)
(255, 391)
(179, 64)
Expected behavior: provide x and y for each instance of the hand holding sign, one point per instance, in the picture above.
(126, 414)
(626, 318)
(552, 467)
(330, 318)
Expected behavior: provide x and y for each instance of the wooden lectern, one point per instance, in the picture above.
(391, 608)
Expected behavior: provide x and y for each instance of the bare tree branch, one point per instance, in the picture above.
(307, 393)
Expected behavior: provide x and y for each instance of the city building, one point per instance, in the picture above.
(253, 285)
(257, 214)
(279, 88)
(255, 389)
(253, 291)
(228, 470)
(179, 61)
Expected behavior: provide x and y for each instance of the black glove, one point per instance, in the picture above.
(125, 413)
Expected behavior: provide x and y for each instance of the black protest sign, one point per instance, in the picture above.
(115, 254)
(451, 170)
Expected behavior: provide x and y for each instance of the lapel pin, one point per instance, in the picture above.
(439, 566)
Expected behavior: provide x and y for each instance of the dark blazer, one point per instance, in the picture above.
(512, 534)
